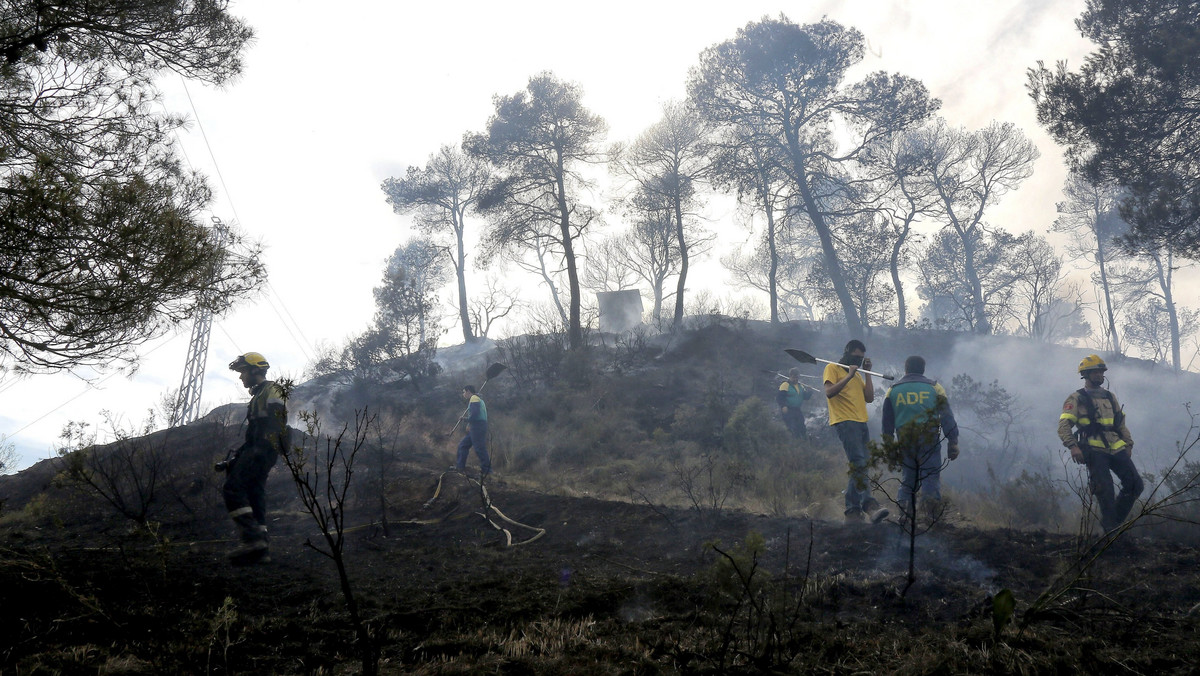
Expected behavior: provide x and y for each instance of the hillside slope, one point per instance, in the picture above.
(650, 515)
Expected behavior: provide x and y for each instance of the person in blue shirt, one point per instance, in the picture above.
(913, 411)
(476, 437)
(790, 399)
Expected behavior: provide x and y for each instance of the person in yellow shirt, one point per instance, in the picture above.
(847, 392)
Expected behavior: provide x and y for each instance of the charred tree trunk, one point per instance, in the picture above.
(460, 264)
(574, 328)
(978, 306)
(1108, 304)
(894, 265)
(773, 252)
(832, 265)
(683, 261)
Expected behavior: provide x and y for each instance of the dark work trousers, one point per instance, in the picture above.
(854, 436)
(1101, 466)
(245, 492)
(476, 438)
(794, 419)
(922, 472)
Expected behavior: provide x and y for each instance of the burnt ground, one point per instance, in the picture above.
(621, 585)
(610, 588)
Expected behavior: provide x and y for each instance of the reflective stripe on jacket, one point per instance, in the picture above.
(266, 417)
(1075, 414)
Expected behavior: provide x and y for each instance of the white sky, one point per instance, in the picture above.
(333, 101)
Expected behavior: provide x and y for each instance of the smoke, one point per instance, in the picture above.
(936, 556)
(1039, 376)
(619, 310)
(1043, 375)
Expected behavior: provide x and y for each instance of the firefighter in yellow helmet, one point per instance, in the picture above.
(247, 467)
(1092, 426)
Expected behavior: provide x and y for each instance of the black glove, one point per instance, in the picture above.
(225, 464)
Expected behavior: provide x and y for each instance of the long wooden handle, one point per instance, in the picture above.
(861, 370)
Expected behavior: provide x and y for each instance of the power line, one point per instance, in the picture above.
(288, 328)
(305, 346)
(4, 387)
(90, 386)
(295, 323)
(229, 338)
(304, 343)
(203, 135)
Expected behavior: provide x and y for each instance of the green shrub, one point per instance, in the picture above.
(731, 567)
(516, 445)
(796, 493)
(697, 424)
(535, 358)
(752, 431)
(1032, 500)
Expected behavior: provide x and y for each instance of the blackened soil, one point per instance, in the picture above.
(609, 588)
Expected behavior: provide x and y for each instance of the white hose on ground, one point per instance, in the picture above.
(487, 506)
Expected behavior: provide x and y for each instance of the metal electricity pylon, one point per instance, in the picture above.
(187, 407)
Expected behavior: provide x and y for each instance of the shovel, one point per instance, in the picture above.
(806, 358)
(492, 371)
(779, 375)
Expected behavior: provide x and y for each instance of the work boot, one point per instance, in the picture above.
(879, 514)
(874, 511)
(250, 553)
(855, 517)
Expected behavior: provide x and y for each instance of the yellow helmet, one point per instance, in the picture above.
(1092, 362)
(249, 361)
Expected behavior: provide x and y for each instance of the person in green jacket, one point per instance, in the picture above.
(914, 410)
(476, 437)
(790, 399)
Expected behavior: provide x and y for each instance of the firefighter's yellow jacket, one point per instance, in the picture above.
(1110, 436)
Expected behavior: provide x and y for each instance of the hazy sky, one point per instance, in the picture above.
(333, 101)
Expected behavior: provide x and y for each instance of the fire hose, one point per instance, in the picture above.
(488, 505)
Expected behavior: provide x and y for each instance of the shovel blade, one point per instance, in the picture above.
(801, 356)
(494, 370)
